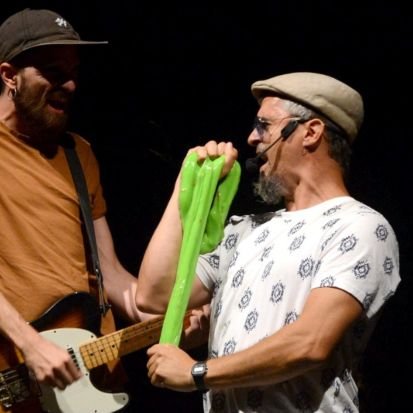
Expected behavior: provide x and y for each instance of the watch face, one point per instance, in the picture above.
(199, 369)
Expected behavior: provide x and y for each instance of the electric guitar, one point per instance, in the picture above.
(20, 393)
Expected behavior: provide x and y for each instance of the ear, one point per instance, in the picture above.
(315, 131)
(8, 74)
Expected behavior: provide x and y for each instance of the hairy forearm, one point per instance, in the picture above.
(275, 359)
(13, 326)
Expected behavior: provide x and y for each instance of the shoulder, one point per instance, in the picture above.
(365, 218)
(84, 149)
(80, 142)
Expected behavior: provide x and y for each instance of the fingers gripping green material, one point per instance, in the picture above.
(204, 203)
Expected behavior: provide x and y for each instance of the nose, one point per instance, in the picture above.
(69, 85)
(253, 138)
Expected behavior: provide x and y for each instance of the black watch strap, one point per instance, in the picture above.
(199, 370)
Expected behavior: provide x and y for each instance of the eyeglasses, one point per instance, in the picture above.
(262, 125)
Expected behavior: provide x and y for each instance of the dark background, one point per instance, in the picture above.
(175, 75)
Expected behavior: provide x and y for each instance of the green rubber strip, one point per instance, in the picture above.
(204, 202)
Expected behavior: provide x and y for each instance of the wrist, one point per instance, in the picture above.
(199, 371)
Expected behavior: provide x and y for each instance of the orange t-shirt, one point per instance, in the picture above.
(42, 253)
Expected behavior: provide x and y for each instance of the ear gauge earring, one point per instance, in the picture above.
(12, 93)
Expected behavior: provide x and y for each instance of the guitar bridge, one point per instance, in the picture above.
(15, 387)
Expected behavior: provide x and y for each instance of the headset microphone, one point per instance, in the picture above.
(252, 164)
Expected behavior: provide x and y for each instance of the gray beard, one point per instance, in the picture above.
(270, 189)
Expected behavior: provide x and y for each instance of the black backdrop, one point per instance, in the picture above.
(176, 75)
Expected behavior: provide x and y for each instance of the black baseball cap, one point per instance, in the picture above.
(31, 28)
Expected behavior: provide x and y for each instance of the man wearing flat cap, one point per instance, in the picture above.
(294, 294)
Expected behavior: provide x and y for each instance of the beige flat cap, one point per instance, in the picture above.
(324, 94)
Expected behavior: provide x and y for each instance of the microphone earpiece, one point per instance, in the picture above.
(289, 129)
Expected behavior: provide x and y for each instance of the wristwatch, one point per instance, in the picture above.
(199, 369)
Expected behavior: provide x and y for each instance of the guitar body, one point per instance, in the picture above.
(20, 394)
(81, 396)
(89, 350)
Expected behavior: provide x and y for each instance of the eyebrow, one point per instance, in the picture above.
(262, 119)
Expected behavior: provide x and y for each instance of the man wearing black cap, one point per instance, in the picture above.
(42, 249)
(294, 294)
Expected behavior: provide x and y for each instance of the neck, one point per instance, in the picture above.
(316, 186)
(8, 113)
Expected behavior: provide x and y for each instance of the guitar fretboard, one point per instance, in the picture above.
(112, 346)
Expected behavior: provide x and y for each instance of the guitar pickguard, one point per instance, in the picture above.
(81, 396)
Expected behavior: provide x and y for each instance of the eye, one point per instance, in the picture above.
(260, 125)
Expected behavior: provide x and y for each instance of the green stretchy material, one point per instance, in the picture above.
(204, 202)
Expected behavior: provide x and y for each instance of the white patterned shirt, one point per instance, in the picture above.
(261, 275)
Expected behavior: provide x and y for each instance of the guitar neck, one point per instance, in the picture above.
(115, 345)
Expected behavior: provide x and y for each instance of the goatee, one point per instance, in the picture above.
(270, 189)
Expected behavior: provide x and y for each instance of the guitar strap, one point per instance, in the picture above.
(79, 180)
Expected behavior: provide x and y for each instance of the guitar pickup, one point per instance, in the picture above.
(73, 356)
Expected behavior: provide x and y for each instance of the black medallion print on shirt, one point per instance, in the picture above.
(231, 241)
(332, 210)
(388, 266)
(213, 261)
(348, 243)
(290, 317)
(296, 227)
(330, 223)
(234, 258)
(245, 299)
(217, 285)
(277, 292)
(297, 242)
(325, 243)
(361, 269)
(327, 282)
(238, 278)
(229, 347)
(306, 268)
(267, 270)
(265, 253)
(218, 309)
(251, 321)
(368, 299)
(262, 237)
(382, 233)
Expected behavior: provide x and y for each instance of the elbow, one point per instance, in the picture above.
(311, 354)
(150, 304)
(317, 354)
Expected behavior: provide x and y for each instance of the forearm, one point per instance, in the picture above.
(301, 346)
(158, 269)
(273, 360)
(14, 327)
